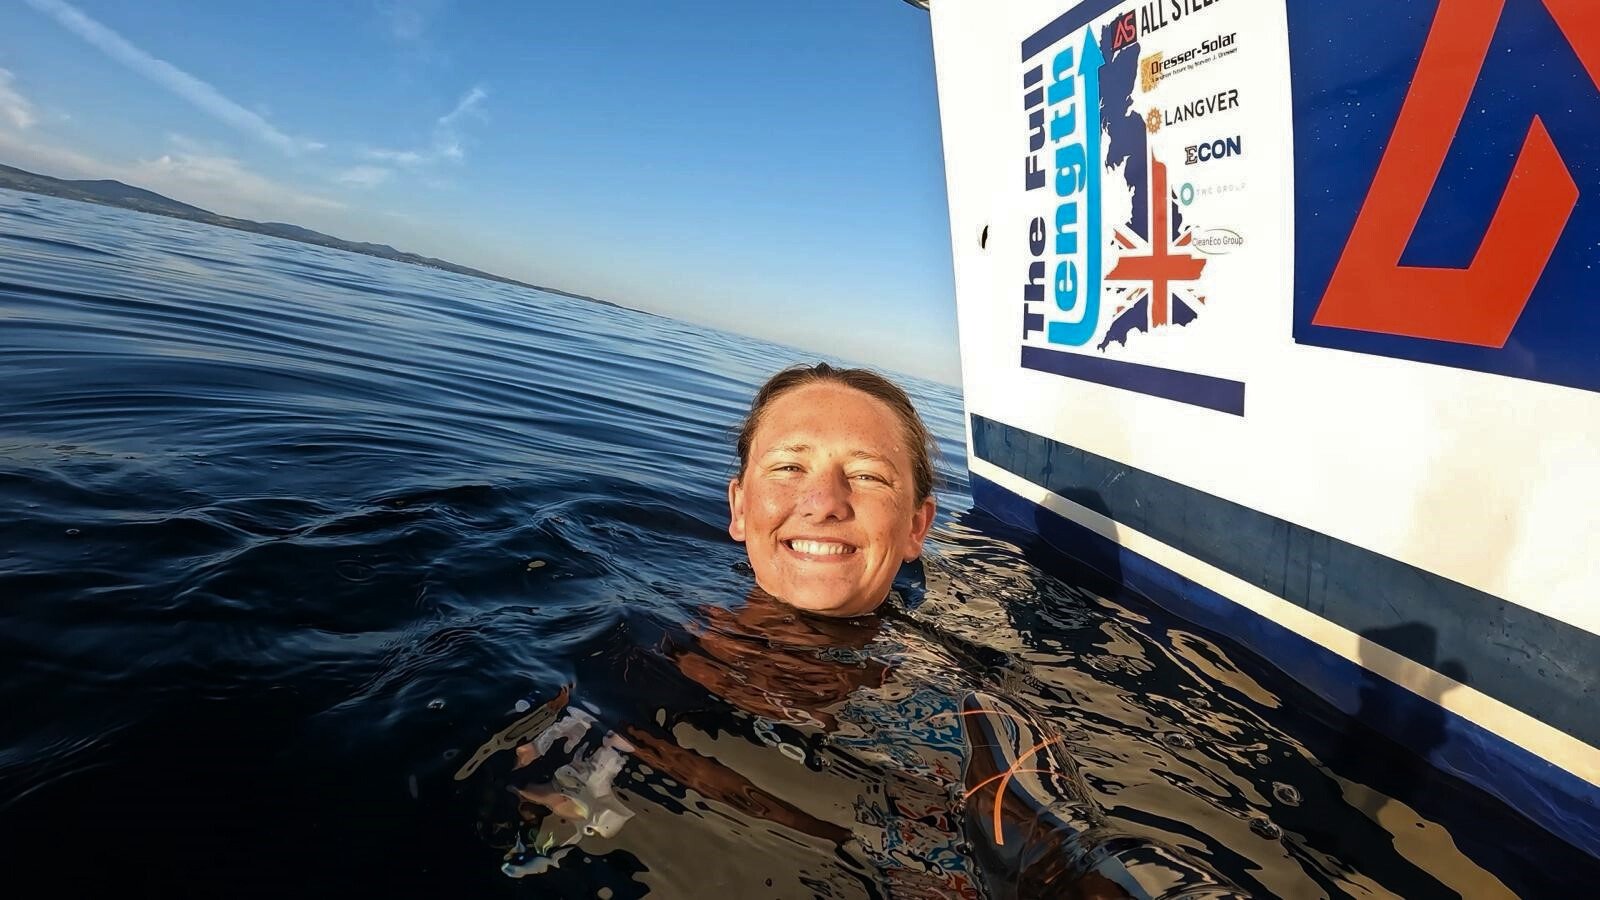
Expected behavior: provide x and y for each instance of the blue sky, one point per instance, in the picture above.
(764, 166)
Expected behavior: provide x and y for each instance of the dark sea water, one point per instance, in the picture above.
(321, 574)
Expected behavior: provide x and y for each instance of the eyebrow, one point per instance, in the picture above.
(854, 454)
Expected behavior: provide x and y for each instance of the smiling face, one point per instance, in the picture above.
(826, 504)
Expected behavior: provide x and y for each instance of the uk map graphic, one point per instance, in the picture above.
(1154, 283)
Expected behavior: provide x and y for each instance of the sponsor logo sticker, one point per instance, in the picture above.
(1206, 151)
(1217, 241)
(1160, 66)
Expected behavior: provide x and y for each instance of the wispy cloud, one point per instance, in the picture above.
(364, 176)
(14, 107)
(28, 152)
(448, 143)
(407, 20)
(202, 95)
(226, 183)
(398, 157)
(467, 105)
(446, 136)
(208, 179)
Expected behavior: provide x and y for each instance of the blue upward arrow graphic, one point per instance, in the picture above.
(1076, 334)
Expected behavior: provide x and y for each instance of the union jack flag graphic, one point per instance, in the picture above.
(1152, 284)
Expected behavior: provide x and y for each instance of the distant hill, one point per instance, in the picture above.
(126, 196)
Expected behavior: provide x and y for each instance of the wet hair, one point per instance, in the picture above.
(919, 441)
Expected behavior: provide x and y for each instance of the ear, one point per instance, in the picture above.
(735, 509)
(921, 523)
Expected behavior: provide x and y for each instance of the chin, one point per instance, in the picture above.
(826, 604)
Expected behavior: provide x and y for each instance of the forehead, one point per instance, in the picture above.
(833, 413)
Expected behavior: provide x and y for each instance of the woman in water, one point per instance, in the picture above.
(834, 493)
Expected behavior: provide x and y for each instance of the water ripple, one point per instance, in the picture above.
(285, 533)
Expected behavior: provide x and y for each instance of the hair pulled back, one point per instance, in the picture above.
(919, 441)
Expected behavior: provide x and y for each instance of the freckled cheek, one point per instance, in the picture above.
(772, 508)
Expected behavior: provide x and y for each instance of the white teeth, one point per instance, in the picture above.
(821, 548)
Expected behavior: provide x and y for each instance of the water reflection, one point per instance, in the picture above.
(1422, 725)
(907, 772)
(770, 661)
(817, 730)
(1037, 831)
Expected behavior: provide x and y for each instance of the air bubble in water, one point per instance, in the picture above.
(1178, 741)
(1287, 794)
(1264, 826)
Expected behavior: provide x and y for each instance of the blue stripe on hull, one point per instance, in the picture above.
(1525, 659)
(1219, 394)
(1564, 804)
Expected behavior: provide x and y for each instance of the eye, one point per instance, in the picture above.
(869, 476)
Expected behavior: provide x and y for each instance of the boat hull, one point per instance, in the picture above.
(1282, 314)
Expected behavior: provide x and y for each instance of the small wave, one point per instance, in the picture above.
(57, 244)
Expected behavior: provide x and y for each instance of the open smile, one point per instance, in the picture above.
(820, 550)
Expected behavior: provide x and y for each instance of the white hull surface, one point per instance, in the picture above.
(1284, 313)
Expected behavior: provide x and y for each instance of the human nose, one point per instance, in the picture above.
(827, 496)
